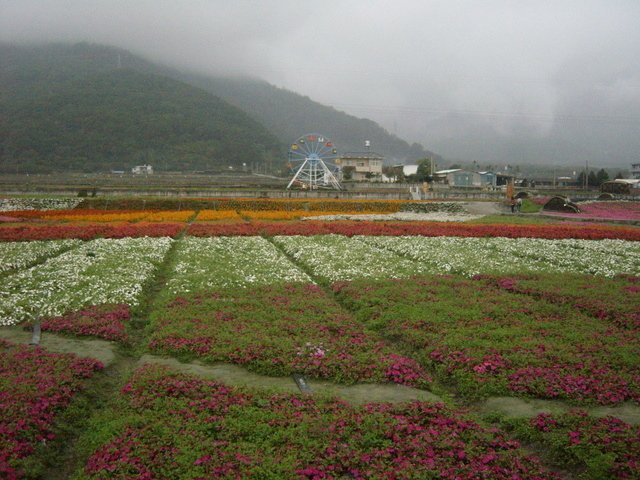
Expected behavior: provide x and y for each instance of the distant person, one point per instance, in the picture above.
(518, 205)
(512, 203)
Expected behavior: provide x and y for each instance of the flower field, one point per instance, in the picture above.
(426, 229)
(103, 321)
(484, 340)
(213, 215)
(19, 204)
(35, 386)
(474, 313)
(603, 447)
(14, 255)
(335, 257)
(301, 331)
(88, 231)
(177, 426)
(472, 256)
(615, 300)
(201, 264)
(626, 211)
(97, 272)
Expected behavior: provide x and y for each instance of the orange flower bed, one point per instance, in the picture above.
(209, 215)
(286, 214)
(170, 216)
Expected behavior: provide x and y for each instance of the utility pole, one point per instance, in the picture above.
(586, 174)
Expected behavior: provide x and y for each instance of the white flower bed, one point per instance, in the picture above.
(471, 256)
(207, 263)
(401, 216)
(100, 271)
(336, 257)
(14, 204)
(15, 255)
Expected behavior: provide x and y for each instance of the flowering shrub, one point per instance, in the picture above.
(178, 426)
(35, 386)
(16, 255)
(89, 231)
(489, 341)
(605, 447)
(97, 272)
(441, 229)
(17, 204)
(302, 330)
(103, 321)
(207, 263)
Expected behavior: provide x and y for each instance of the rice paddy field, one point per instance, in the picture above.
(257, 339)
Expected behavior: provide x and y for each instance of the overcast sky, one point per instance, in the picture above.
(411, 65)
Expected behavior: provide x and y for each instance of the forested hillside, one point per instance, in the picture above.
(81, 108)
(92, 107)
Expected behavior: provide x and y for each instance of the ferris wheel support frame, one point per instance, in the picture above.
(310, 173)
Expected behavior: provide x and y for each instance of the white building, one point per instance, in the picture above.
(142, 169)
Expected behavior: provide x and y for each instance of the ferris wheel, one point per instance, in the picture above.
(308, 156)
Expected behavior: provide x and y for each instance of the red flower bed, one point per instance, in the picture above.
(34, 387)
(179, 426)
(103, 321)
(427, 229)
(88, 231)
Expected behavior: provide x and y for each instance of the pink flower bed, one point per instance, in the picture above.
(184, 427)
(489, 340)
(34, 387)
(607, 447)
(279, 330)
(103, 321)
(605, 211)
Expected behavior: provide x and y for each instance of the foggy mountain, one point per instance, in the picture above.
(79, 108)
(37, 79)
(490, 81)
